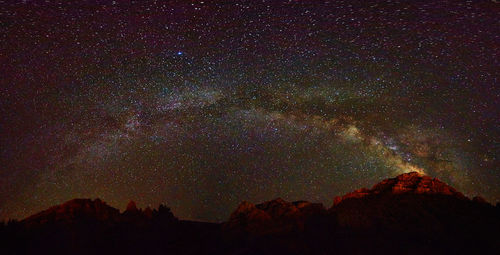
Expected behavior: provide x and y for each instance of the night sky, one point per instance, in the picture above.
(203, 104)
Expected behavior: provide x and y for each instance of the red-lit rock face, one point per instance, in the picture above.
(355, 194)
(409, 183)
(415, 183)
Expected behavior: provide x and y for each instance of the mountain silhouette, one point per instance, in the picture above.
(408, 214)
(273, 216)
(74, 210)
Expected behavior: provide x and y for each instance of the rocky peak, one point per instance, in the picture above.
(75, 209)
(131, 207)
(245, 206)
(163, 213)
(273, 216)
(148, 212)
(308, 209)
(413, 183)
(355, 194)
(277, 208)
(83, 210)
(248, 211)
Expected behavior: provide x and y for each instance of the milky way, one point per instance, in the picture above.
(203, 104)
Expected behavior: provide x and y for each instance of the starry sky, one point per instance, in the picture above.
(203, 104)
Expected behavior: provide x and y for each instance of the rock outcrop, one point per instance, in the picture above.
(415, 183)
(276, 215)
(83, 210)
(74, 210)
(131, 207)
(410, 203)
(408, 183)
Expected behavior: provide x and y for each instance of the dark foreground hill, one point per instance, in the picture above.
(409, 214)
